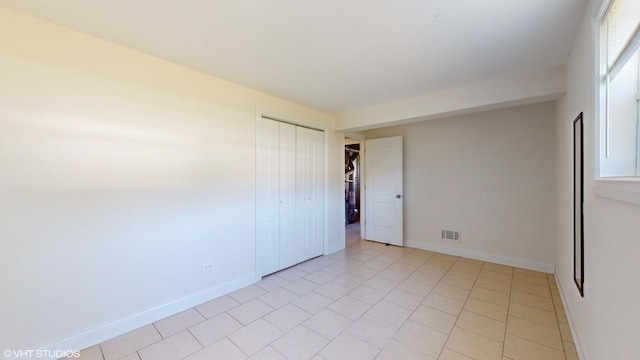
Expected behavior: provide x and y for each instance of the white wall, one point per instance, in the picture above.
(488, 175)
(605, 322)
(120, 174)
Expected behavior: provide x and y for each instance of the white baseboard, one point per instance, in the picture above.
(479, 255)
(105, 332)
(567, 311)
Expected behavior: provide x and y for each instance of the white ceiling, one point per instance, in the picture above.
(334, 55)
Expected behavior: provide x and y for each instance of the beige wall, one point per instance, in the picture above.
(120, 175)
(604, 322)
(488, 175)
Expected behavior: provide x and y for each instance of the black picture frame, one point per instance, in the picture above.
(578, 202)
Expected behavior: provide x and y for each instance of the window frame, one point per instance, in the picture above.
(621, 188)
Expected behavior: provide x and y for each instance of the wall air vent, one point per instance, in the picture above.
(450, 235)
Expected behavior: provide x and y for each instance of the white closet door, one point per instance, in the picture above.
(268, 196)
(287, 174)
(309, 186)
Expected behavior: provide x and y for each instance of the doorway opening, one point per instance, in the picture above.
(352, 167)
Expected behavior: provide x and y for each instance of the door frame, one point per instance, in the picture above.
(363, 197)
(273, 115)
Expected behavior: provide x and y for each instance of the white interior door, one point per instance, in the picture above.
(384, 196)
(290, 195)
(268, 196)
(309, 190)
(289, 249)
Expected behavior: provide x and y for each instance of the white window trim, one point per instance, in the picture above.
(626, 189)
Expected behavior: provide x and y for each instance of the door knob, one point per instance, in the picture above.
(398, 196)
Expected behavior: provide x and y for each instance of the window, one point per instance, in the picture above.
(619, 90)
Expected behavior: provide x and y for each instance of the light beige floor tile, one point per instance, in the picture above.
(542, 317)
(310, 266)
(448, 354)
(312, 302)
(435, 319)
(404, 299)
(215, 329)
(132, 356)
(287, 317)
(433, 270)
(403, 268)
(250, 311)
(178, 322)
(372, 330)
(389, 312)
(457, 281)
(420, 337)
(495, 275)
(91, 353)
(272, 282)
(278, 297)
(570, 351)
(363, 272)
(292, 274)
(474, 345)
(367, 294)
(531, 289)
(350, 307)
(387, 259)
(535, 332)
(268, 353)
(216, 306)
(425, 278)
(376, 265)
(175, 347)
(482, 325)
(222, 349)
(328, 323)
(517, 348)
(504, 269)
(493, 284)
(349, 280)
(300, 343)
(486, 308)
(247, 293)
(332, 290)
(417, 288)
(530, 272)
(336, 269)
(530, 279)
(451, 291)
(415, 259)
(445, 257)
(446, 304)
(320, 277)
(396, 350)
(536, 301)
(301, 286)
(565, 331)
(349, 347)
(253, 337)
(393, 275)
(130, 342)
(491, 296)
(440, 264)
(380, 283)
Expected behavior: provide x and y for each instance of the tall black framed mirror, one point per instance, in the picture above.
(578, 201)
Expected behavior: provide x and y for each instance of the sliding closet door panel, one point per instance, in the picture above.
(287, 175)
(268, 195)
(309, 186)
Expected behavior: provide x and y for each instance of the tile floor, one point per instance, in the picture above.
(369, 301)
